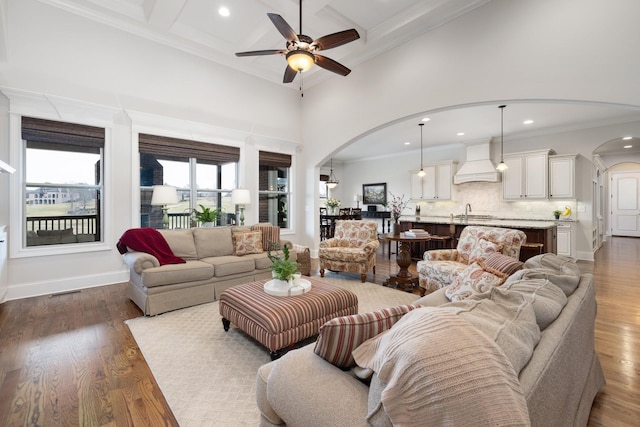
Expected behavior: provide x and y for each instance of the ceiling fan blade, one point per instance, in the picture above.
(262, 52)
(289, 75)
(284, 28)
(331, 65)
(336, 39)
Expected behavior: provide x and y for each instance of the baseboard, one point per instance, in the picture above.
(585, 256)
(70, 284)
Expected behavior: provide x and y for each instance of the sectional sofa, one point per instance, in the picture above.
(521, 353)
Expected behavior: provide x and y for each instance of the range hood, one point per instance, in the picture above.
(478, 167)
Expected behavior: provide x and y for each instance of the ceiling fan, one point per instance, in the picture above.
(301, 49)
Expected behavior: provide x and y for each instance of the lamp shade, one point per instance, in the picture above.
(300, 60)
(240, 196)
(164, 195)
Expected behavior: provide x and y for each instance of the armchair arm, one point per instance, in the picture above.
(140, 261)
(441, 255)
(329, 243)
(371, 247)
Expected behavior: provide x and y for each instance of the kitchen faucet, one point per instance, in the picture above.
(466, 212)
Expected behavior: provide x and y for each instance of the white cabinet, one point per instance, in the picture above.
(526, 177)
(436, 184)
(562, 177)
(565, 236)
(3, 263)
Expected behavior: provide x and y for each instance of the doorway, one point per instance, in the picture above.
(625, 204)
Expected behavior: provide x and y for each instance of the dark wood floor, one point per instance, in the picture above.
(70, 360)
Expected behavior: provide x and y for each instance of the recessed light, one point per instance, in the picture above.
(626, 138)
(407, 143)
(628, 146)
(460, 134)
(527, 122)
(426, 119)
(223, 11)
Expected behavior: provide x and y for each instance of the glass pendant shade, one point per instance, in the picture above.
(332, 182)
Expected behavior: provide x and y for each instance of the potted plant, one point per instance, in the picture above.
(557, 213)
(283, 268)
(207, 216)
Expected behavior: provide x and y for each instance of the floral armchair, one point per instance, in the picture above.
(352, 249)
(441, 266)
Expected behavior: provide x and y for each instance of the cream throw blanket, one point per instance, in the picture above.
(439, 370)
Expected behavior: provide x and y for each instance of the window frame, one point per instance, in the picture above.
(17, 213)
(269, 151)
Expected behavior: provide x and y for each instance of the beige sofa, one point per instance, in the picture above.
(558, 382)
(210, 268)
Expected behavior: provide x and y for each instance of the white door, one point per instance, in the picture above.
(625, 207)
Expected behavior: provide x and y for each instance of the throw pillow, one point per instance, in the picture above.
(247, 243)
(498, 262)
(270, 235)
(472, 280)
(340, 336)
(483, 249)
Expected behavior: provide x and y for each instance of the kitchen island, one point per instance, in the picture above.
(541, 234)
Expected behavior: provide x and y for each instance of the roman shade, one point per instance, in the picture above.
(53, 135)
(277, 160)
(176, 148)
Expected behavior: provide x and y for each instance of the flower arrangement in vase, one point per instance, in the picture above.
(397, 206)
(332, 204)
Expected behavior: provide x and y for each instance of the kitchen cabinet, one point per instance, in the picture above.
(562, 177)
(3, 263)
(565, 238)
(436, 184)
(527, 175)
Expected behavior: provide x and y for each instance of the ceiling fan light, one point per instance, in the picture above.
(300, 60)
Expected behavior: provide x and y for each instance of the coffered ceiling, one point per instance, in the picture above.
(196, 27)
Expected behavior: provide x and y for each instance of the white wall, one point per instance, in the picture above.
(501, 52)
(59, 66)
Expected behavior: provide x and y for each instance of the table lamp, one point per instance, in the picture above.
(241, 197)
(357, 198)
(164, 195)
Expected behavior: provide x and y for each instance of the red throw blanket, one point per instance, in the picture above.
(148, 240)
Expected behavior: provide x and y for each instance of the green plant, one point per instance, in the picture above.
(207, 214)
(283, 268)
(557, 213)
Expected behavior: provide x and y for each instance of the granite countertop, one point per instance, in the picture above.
(495, 222)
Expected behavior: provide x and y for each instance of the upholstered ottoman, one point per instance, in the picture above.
(279, 322)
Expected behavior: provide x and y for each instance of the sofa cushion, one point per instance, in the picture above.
(498, 262)
(230, 264)
(270, 235)
(170, 274)
(472, 280)
(340, 336)
(547, 299)
(213, 241)
(247, 243)
(560, 270)
(181, 243)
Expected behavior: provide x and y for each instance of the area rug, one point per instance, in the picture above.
(208, 376)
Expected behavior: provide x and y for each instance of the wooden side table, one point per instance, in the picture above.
(404, 280)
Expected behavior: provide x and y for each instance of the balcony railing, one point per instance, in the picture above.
(81, 224)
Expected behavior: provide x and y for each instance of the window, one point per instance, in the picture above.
(63, 185)
(275, 188)
(203, 173)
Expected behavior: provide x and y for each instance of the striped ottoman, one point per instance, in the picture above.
(279, 322)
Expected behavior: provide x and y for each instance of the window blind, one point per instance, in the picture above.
(177, 148)
(53, 135)
(278, 160)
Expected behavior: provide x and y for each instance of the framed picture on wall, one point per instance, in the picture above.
(374, 194)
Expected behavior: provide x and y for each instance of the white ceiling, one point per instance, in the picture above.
(195, 27)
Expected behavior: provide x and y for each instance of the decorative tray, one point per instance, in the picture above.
(273, 287)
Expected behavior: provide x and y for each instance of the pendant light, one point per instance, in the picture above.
(332, 178)
(502, 166)
(422, 172)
